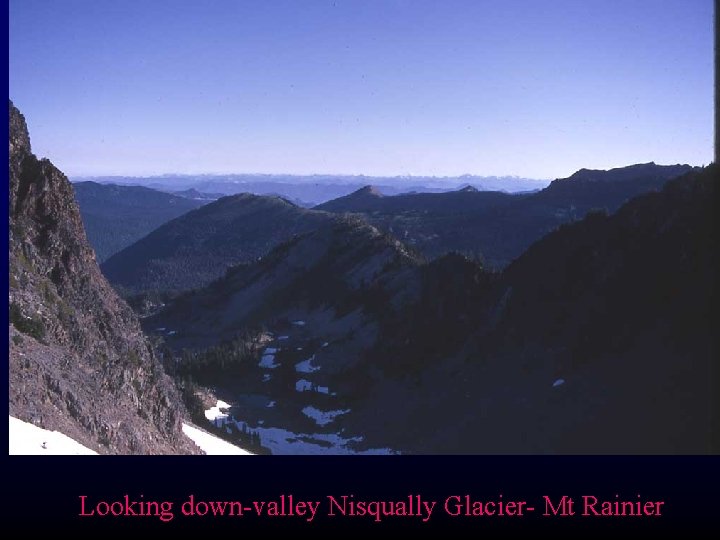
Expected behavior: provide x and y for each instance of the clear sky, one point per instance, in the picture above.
(380, 87)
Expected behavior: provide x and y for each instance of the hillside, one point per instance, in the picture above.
(598, 339)
(196, 248)
(495, 226)
(117, 216)
(328, 272)
(78, 360)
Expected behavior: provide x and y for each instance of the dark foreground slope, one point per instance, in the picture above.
(598, 339)
(79, 362)
(497, 226)
(196, 248)
(117, 216)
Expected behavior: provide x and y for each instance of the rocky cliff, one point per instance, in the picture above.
(79, 362)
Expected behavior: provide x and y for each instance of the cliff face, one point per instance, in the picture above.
(79, 362)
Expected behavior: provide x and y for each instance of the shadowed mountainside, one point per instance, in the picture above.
(196, 248)
(495, 226)
(598, 339)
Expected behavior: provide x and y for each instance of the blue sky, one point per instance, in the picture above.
(446, 87)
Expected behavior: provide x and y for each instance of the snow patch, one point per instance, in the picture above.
(268, 361)
(299, 323)
(29, 440)
(558, 382)
(306, 366)
(303, 385)
(323, 418)
(212, 445)
(282, 441)
(216, 414)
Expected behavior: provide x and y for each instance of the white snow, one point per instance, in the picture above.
(282, 338)
(216, 414)
(303, 385)
(306, 366)
(325, 344)
(558, 382)
(299, 323)
(172, 332)
(268, 361)
(266, 377)
(27, 439)
(323, 390)
(270, 405)
(212, 445)
(323, 418)
(271, 350)
(282, 441)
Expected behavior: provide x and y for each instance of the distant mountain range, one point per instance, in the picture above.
(116, 216)
(315, 189)
(196, 248)
(494, 226)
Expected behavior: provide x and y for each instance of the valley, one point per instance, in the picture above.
(454, 322)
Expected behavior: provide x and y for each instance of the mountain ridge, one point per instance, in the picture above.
(117, 216)
(197, 247)
(497, 227)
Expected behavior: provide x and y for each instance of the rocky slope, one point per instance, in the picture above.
(339, 270)
(79, 362)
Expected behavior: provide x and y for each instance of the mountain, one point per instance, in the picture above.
(326, 272)
(597, 339)
(196, 248)
(79, 362)
(358, 201)
(496, 226)
(317, 188)
(197, 195)
(116, 216)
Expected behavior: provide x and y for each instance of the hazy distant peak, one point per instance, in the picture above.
(259, 199)
(468, 189)
(368, 190)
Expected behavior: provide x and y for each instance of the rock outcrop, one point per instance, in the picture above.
(79, 362)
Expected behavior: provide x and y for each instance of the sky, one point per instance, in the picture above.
(375, 87)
